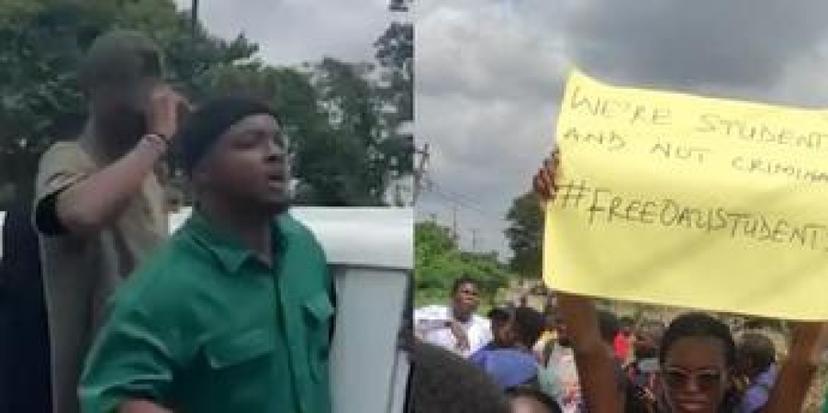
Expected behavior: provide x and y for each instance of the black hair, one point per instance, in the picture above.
(444, 382)
(528, 325)
(653, 328)
(116, 52)
(697, 324)
(609, 325)
(500, 314)
(463, 279)
(534, 393)
(757, 348)
(207, 124)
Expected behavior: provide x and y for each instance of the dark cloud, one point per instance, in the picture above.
(490, 73)
(743, 45)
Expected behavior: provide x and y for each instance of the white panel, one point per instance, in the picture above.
(370, 303)
(372, 237)
(399, 385)
(2, 221)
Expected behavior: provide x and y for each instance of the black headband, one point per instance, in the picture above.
(204, 126)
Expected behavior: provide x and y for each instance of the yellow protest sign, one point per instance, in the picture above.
(674, 199)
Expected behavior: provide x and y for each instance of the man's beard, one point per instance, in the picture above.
(125, 129)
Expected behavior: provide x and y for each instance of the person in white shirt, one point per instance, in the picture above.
(559, 375)
(455, 327)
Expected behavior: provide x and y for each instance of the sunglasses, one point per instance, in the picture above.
(705, 380)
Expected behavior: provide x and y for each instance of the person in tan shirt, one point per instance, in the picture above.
(99, 208)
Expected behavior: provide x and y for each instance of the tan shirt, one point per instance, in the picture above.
(80, 273)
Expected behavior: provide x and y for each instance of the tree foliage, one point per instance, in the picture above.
(346, 146)
(525, 235)
(439, 261)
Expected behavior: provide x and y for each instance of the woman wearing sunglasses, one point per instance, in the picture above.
(697, 355)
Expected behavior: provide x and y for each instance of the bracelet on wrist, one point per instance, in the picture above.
(157, 141)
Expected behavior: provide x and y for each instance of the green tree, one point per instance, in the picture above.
(345, 144)
(41, 46)
(395, 54)
(364, 155)
(438, 262)
(525, 235)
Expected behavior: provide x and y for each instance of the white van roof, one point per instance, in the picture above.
(371, 237)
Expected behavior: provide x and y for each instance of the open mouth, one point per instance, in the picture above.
(692, 406)
(276, 178)
(276, 182)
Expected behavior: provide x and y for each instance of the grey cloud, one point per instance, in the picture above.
(295, 31)
(490, 72)
(484, 52)
(736, 45)
(488, 80)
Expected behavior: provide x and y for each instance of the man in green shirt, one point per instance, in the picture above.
(234, 313)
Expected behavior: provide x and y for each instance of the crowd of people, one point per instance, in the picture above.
(232, 313)
(573, 357)
(527, 361)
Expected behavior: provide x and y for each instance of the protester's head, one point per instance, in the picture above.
(697, 358)
(626, 324)
(117, 76)
(444, 382)
(465, 297)
(527, 399)
(648, 336)
(562, 331)
(609, 326)
(501, 324)
(528, 326)
(755, 354)
(549, 317)
(235, 153)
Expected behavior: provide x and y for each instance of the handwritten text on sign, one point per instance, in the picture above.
(674, 199)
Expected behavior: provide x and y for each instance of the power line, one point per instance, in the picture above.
(465, 198)
(454, 200)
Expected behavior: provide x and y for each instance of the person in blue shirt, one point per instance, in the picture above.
(514, 365)
(756, 361)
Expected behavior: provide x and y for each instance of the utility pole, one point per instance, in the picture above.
(398, 5)
(194, 19)
(474, 239)
(454, 222)
(420, 170)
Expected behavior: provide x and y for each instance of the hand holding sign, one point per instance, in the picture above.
(544, 181)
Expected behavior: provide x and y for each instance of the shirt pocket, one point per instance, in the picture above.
(238, 369)
(231, 350)
(319, 311)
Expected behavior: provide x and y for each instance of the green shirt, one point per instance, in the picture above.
(205, 326)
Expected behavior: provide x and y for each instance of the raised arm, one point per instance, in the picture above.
(95, 201)
(596, 368)
(797, 372)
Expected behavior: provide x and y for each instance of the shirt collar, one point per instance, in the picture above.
(227, 248)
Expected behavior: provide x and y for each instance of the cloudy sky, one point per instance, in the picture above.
(294, 31)
(490, 74)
